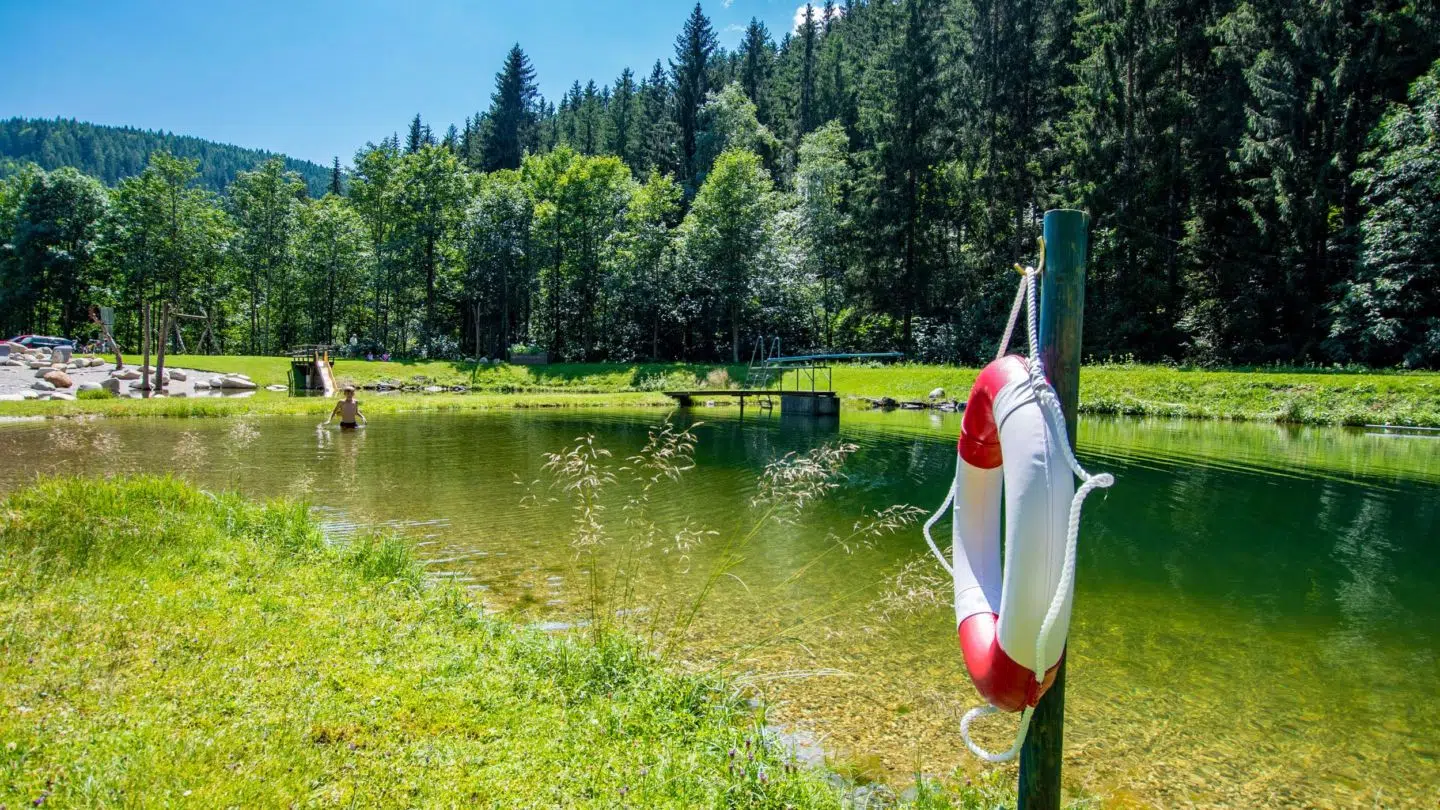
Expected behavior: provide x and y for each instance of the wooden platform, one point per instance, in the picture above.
(806, 403)
(685, 397)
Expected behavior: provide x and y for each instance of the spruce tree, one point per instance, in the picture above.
(690, 71)
(622, 119)
(805, 115)
(757, 53)
(658, 130)
(335, 182)
(510, 124)
(416, 138)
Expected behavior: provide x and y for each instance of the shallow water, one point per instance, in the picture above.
(1256, 618)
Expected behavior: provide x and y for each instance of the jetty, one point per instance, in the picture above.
(804, 384)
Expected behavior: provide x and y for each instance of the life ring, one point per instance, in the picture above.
(1010, 451)
(1014, 446)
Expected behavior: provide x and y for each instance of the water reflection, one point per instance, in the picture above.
(1255, 615)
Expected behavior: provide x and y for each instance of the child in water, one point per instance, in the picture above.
(348, 409)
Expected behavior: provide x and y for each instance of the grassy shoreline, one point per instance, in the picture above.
(164, 645)
(1292, 396)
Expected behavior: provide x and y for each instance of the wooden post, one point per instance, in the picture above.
(163, 334)
(1062, 312)
(145, 346)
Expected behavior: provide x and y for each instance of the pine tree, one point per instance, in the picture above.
(623, 120)
(757, 53)
(659, 132)
(805, 114)
(416, 138)
(510, 124)
(336, 187)
(901, 121)
(690, 72)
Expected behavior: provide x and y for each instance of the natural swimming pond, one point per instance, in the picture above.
(1257, 620)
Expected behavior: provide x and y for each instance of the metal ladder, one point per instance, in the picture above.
(759, 373)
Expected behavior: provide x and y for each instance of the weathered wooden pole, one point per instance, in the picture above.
(145, 347)
(1062, 311)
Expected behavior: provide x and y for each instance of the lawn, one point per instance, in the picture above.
(1304, 396)
(1297, 396)
(164, 646)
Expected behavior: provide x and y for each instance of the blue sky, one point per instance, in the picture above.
(315, 79)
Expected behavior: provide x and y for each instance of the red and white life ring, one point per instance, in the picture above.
(1014, 448)
(1013, 619)
(1009, 451)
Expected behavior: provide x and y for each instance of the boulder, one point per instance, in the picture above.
(433, 389)
(87, 385)
(11, 398)
(28, 394)
(39, 364)
(125, 374)
(237, 382)
(938, 393)
(111, 384)
(276, 388)
(202, 384)
(43, 385)
(177, 375)
(59, 379)
(63, 396)
(95, 362)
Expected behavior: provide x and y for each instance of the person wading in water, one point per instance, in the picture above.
(348, 409)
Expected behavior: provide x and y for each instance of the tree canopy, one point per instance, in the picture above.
(1260, 176)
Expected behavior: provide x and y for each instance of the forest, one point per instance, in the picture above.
(113, 153)
(1262, 176)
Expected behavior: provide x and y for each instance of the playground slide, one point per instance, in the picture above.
(327, 375)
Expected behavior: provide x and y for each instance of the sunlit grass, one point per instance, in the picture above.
(277, 403)
(1287, 395)
(163, 645)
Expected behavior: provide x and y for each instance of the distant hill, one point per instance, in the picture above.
(114, 153)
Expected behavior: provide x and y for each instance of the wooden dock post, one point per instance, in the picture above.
(1062, 312)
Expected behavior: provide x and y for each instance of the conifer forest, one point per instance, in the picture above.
(1262, 177)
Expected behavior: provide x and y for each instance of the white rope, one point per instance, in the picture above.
(984, 711)
(939, 513)
(1050, 406)
(1014, 316)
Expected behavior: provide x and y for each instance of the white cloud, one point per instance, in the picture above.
(837, 11)
(728, 3)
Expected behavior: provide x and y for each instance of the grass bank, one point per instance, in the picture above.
(163, 646)
(271, 403)
(1294, 396)
(1297, 396)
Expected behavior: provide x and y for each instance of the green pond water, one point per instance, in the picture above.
(1256, 622)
